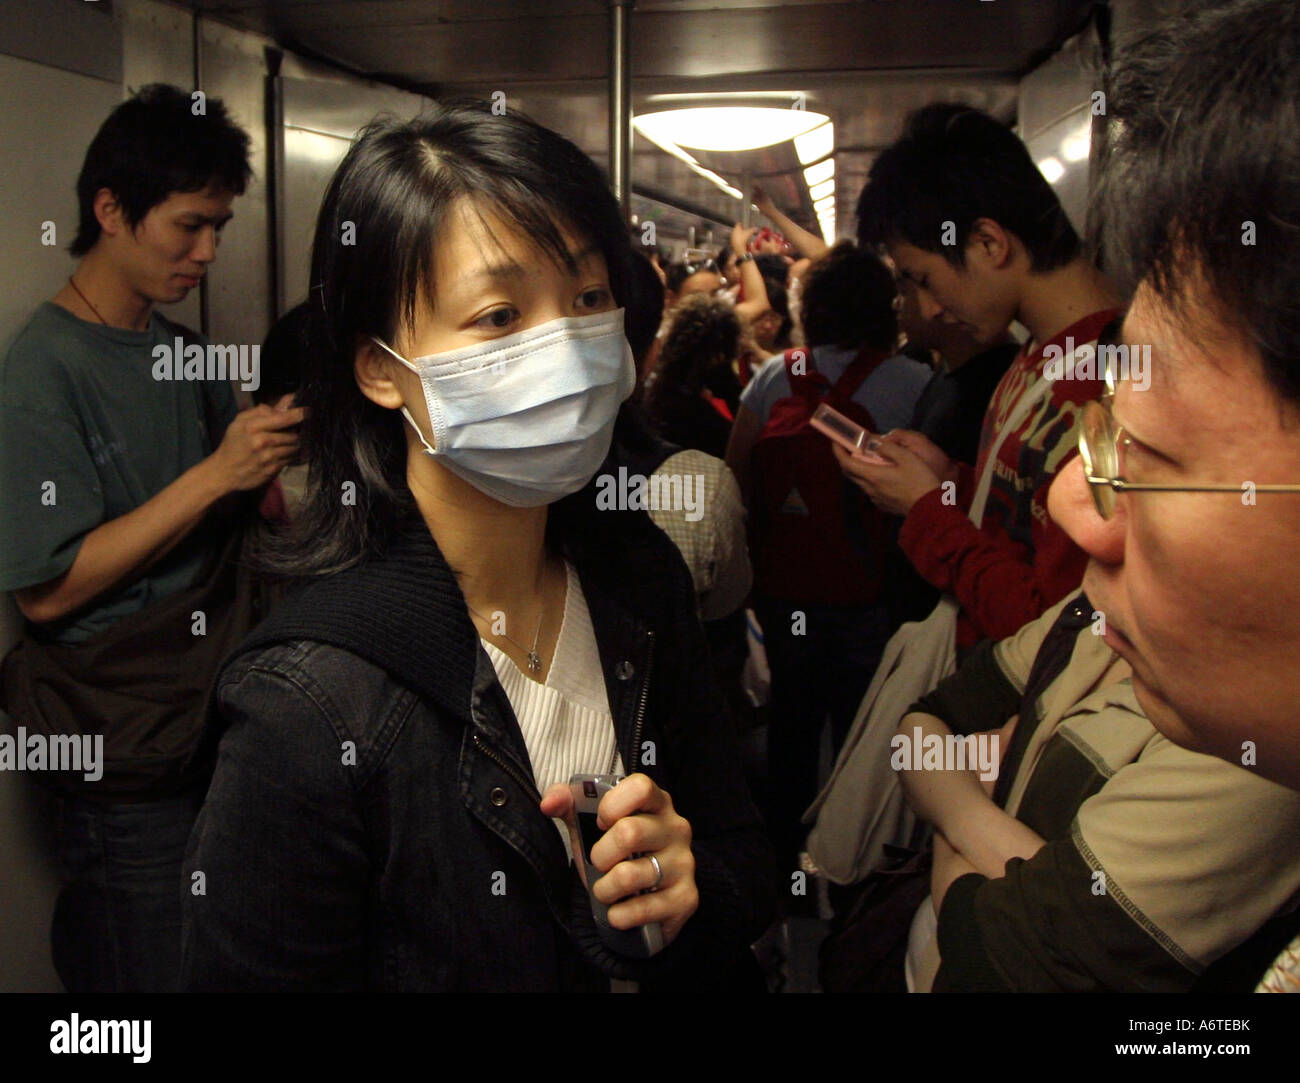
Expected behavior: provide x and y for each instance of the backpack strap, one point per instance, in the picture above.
(1049, 663)
(853, 377)
(813, 386)
(805, 380)
(719, 404)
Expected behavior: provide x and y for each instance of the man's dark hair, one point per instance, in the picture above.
(152, 145)
(956, 164)
(848, 300)
(1202, 152)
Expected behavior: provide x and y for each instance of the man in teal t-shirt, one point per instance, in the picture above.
(87, 435)
(113, 450)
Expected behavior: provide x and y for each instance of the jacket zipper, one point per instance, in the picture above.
(640, 707)
(505, 765)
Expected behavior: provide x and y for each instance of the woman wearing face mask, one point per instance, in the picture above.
(474, 627)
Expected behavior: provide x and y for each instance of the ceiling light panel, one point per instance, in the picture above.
(727, 127)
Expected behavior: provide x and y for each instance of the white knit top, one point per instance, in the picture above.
(567, 725)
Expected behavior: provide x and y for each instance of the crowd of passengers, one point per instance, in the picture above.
(438, 615)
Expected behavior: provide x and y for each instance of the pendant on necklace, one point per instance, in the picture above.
(534, 661)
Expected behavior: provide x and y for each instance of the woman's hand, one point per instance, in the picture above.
(740, 238)
(638, 818)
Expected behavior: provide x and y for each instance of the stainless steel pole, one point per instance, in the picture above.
(620, 103)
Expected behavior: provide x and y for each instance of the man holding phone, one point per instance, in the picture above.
(978, 231)
(107, 476)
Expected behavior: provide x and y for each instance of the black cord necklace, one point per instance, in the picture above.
(87, 300)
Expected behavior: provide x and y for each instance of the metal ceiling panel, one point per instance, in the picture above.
(434, 42)
(866, 64)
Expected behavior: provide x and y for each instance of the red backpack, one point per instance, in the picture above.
(815, 537)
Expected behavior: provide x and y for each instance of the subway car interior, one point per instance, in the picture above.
(828, 525)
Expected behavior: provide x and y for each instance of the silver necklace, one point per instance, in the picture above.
(534, 659)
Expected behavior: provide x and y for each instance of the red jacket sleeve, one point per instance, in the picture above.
(999, 584)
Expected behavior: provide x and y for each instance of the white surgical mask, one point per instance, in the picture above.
(528, 418)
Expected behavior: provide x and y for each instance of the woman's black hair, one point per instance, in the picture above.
(776, 272)
(645, 307)
(284, 355)
(154, 144)
(373, 261)
(848, 300)
(773, 268)
(678, 273)
(951, 166)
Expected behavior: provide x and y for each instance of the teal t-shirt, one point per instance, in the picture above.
(87, 434)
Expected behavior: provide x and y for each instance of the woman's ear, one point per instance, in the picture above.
(375, 376)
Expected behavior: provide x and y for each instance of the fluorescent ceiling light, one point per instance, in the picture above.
(1052, 169)
(815, 144)
(786, 96)
(822, 206)
(821, 191)
(822, 171)
(669, 147)
(727, 127)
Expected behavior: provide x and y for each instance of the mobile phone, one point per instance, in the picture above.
(643, 941)
(846, 432)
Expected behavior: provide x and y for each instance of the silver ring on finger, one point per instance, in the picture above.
(659, 873)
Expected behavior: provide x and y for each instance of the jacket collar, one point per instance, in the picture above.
(403, 610)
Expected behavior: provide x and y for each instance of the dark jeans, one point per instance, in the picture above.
(822, 672)
(117, 921)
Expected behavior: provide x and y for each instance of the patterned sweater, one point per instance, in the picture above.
(1017, 562)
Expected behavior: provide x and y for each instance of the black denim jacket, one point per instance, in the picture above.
(372, 821)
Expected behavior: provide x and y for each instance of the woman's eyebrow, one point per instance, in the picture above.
(512, 271)
(584, 254)
(499, 271)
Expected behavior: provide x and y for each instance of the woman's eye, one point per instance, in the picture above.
(498, 319)
(593, 298)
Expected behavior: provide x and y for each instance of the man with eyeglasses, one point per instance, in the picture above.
(1144, 833)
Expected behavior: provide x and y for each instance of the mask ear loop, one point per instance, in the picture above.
(428, 447)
